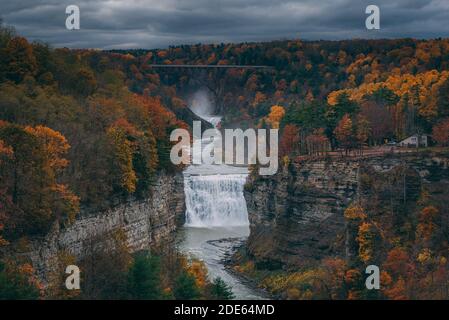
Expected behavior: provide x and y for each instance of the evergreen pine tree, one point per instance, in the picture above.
(220, 290)
(185, 287)
(144, 278)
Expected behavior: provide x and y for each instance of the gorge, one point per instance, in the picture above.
(290, 220)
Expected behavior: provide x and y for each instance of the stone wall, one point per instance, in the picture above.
(296, 216)
(147, 223)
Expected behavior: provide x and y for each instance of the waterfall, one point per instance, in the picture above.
(215, 200)
(213, 193)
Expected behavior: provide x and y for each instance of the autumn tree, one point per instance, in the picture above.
(19, 59)
(199, 271)
(275, 116)
(380, 121)
(397, 262)
(428, 223)
(30, 180)
(289, 141)
(121, 161)
(443, 99)
(440, 132)
(317, 143)
(106, 266)
(362, 131)
(397, 268)
(5, 154)
(367, 239)
(17, 281)
(344, 133)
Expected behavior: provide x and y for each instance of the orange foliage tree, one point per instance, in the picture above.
(427, 222)
(29, 180)
(275, 116)
(317, 143)
(344, 132)
(5, 153)
(440, 132)
(289, 140)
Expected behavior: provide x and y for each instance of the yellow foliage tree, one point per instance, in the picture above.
(366, 238)
(55, 145)
(275, 116)
(199, 271)
(122, 160)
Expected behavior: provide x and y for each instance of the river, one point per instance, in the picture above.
(216, 214)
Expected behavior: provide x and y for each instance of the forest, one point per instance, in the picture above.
(83, 129)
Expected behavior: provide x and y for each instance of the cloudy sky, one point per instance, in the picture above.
(160, 23)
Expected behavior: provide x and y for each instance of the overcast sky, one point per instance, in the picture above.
(110, 24)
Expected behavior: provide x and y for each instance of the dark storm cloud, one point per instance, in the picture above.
(159, 23)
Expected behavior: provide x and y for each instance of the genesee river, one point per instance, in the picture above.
(216, 215)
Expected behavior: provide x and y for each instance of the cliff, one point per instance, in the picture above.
(147, 224)
(296, 216)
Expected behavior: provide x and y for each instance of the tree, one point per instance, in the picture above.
(344, 105)
(443, 99)
(362, 131)
(275, 116)
(185, 287)
(105, 266)
(428, 223)
(198, 269)
(317, 143)
(122, 159)
(219, 290)
(289, 140)
(85, 82)
(17, 282)
(55, 146)
(380, 121)
(29, 180)
(398, 263)
(144, 278)
(5, 151)
(440, 132)
(19, 59)
(344, 132)
(145, 162)
(367, 238)
(5, 154)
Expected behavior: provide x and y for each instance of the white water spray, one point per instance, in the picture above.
(214, 193)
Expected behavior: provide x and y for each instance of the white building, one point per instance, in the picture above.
(415, 141)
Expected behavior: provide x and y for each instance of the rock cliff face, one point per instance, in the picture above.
(296, 216)
(146, 223)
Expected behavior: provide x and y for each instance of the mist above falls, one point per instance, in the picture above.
(202, 104)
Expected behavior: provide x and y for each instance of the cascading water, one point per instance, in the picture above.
(216, 214)
(215, 200)
(214, 193)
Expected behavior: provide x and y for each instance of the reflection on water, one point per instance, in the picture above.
(212, 245)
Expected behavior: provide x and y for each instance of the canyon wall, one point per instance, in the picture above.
(296, 216)
(147, 223)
